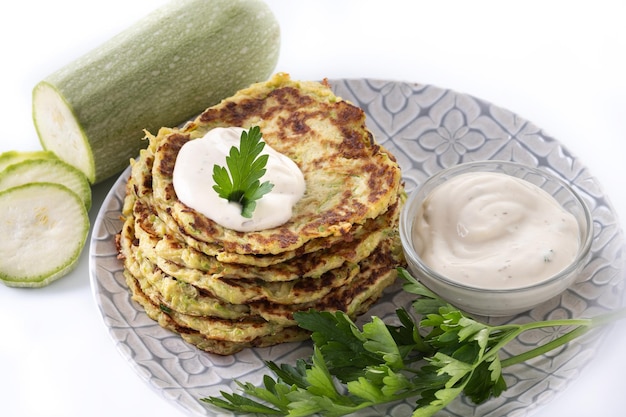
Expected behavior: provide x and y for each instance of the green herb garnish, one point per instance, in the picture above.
(434, 360)
(246, 167)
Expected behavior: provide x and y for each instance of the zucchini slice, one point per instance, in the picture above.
(13, 157)
(47, 170)
(44, 227)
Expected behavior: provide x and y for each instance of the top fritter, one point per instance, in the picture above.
(349, 178)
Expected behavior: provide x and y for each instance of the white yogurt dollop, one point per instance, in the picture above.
(193, 183)
(494, 231)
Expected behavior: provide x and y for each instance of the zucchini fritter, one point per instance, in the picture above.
(223, 290)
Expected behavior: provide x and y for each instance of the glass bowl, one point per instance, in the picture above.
(516, 298)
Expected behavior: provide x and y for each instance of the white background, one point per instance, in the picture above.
(559, 64)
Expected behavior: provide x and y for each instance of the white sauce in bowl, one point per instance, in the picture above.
(193, 182)
(494, 231)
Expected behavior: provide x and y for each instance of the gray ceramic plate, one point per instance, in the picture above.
(427, 128)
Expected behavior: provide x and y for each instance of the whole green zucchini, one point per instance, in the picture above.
(170, 66)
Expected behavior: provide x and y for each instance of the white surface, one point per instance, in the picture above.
(558, 64)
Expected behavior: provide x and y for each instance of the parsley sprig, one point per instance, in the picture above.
(246, 166)
(434, 360)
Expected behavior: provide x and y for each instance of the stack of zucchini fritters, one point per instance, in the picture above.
(223, 290)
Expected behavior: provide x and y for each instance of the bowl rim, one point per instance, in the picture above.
(407, 241)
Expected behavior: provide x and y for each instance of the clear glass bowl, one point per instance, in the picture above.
(498, 302)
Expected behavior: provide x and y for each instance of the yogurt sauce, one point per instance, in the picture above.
(193, 183)
(492, 230)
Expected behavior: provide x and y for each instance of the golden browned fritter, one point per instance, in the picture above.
(224, 290)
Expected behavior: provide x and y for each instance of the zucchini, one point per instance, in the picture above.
(44, 228)
(12, 157)
(47, 170)
(170, 66)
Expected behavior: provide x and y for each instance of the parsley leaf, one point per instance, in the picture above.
(240, 183)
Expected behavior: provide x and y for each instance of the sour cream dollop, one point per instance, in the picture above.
(495, 231)
(193, 182)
